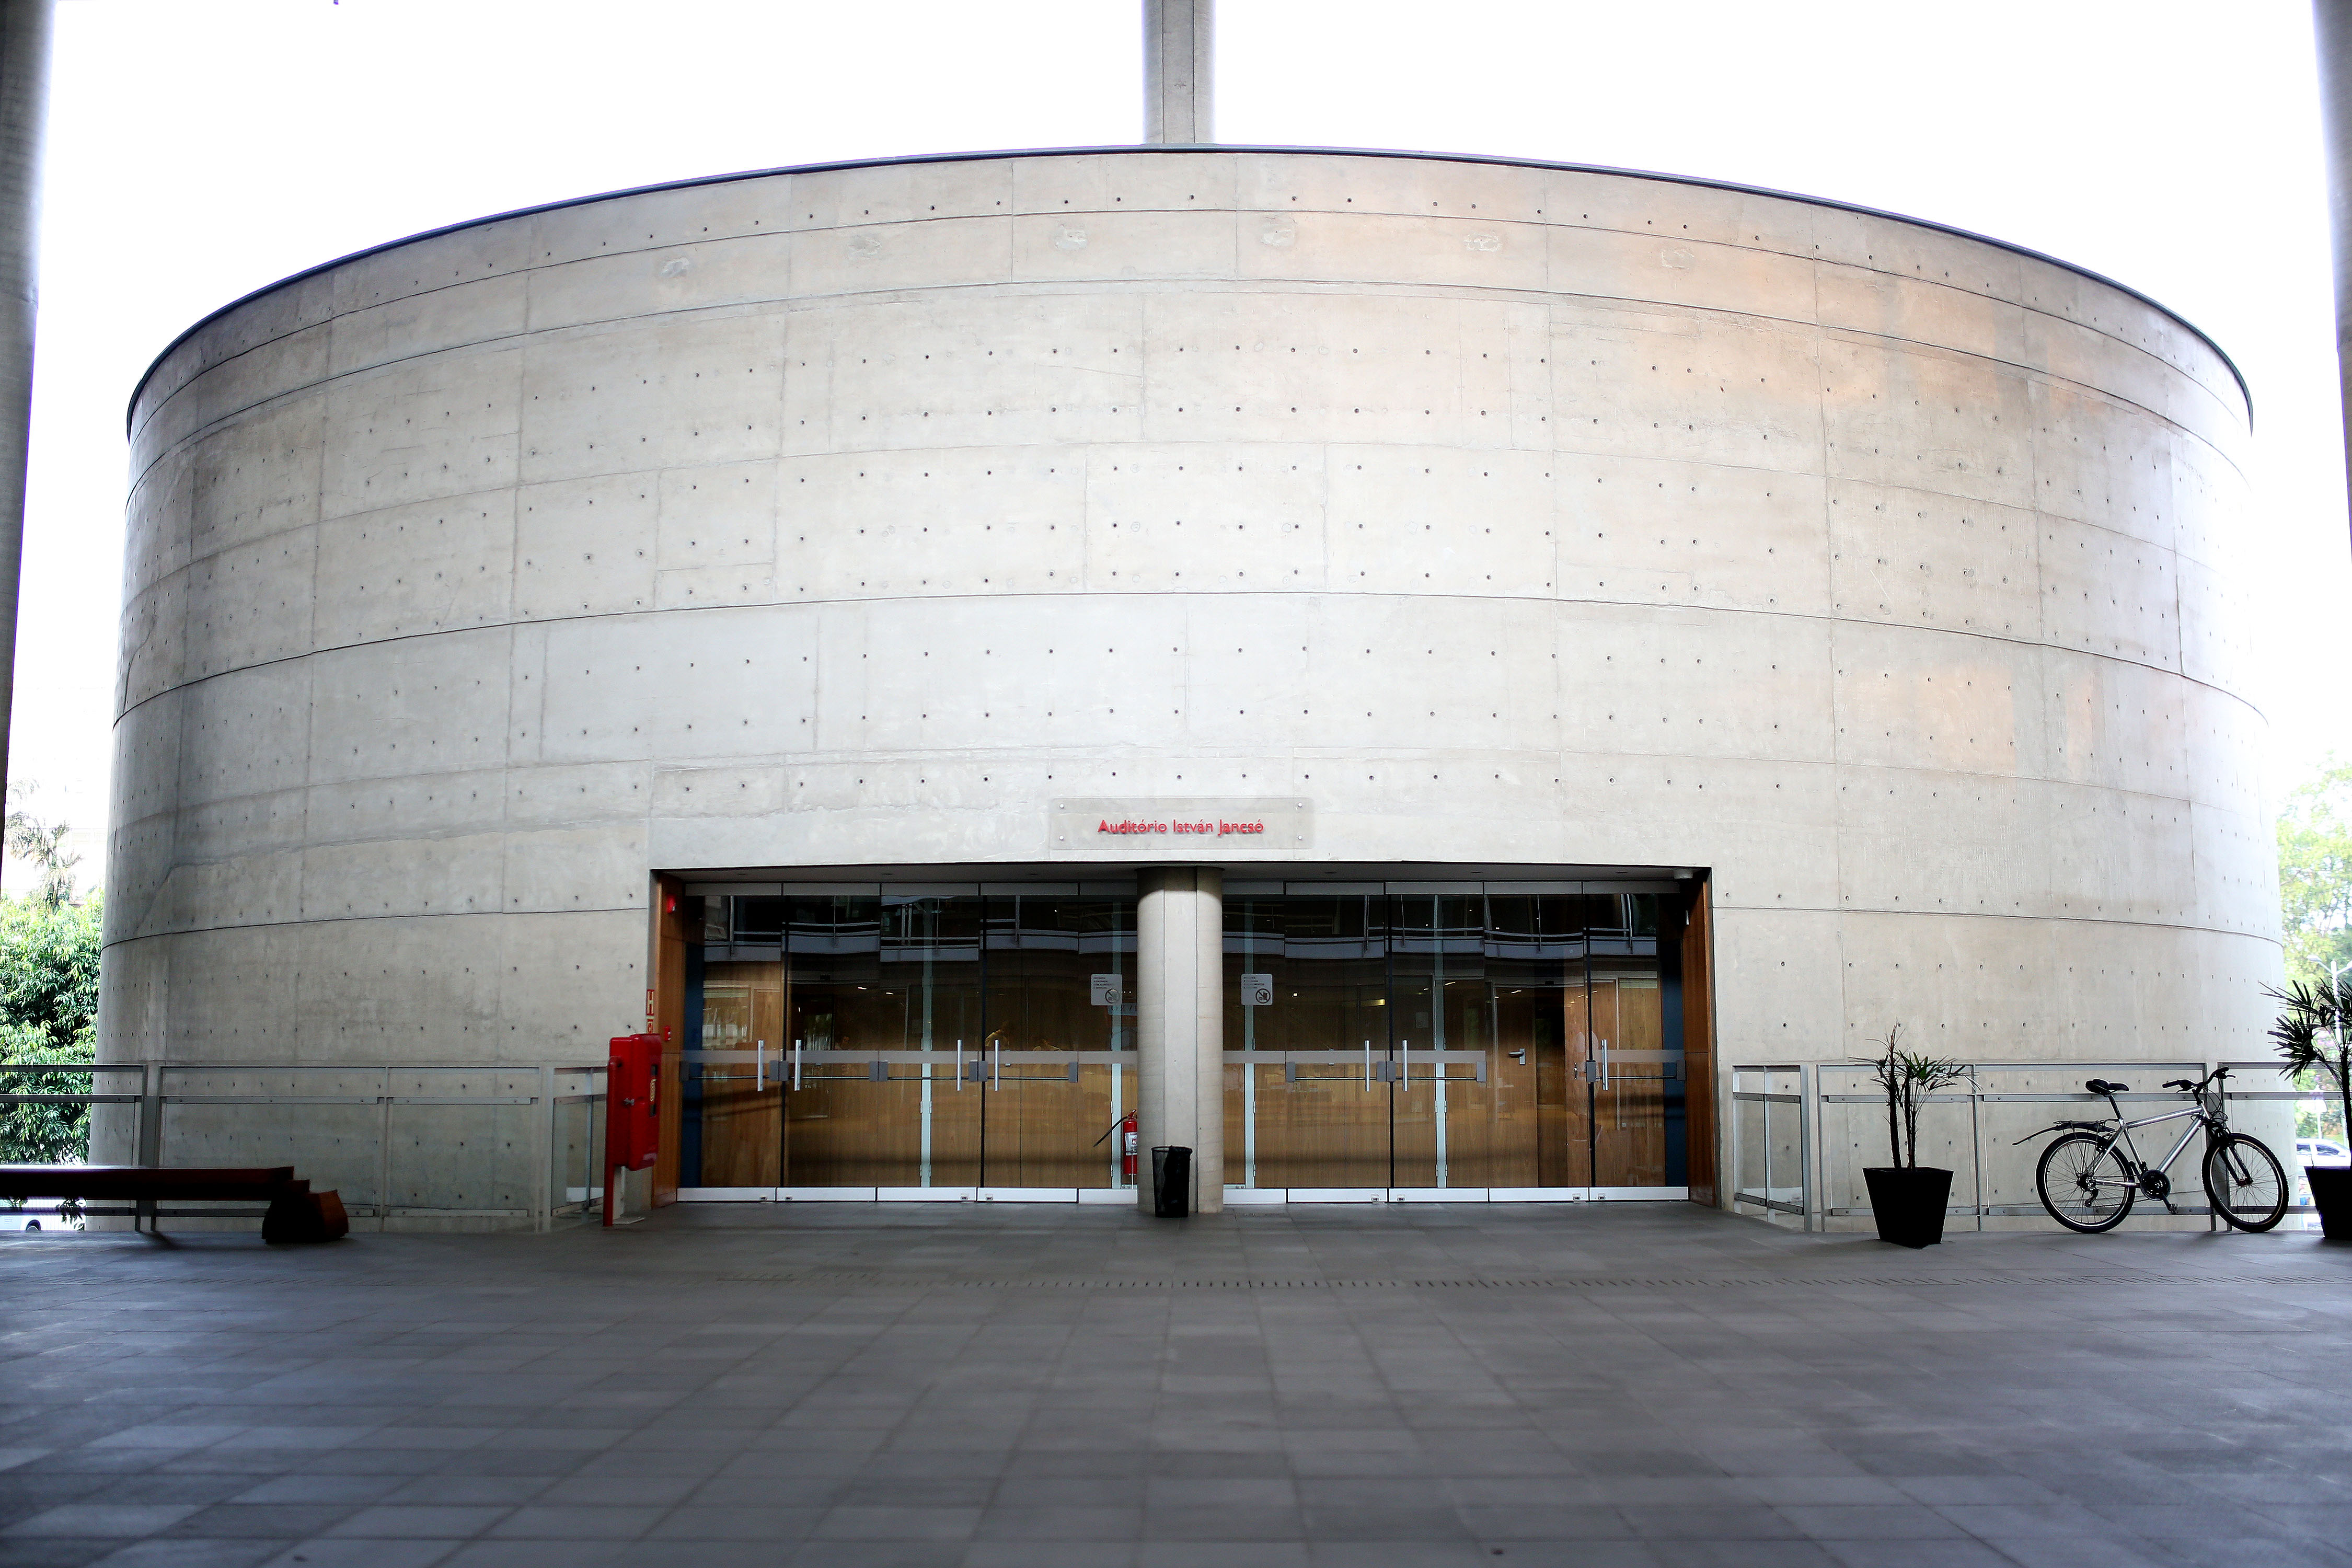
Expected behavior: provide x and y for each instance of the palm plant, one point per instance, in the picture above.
(2314, 1010)
(1907, 1077)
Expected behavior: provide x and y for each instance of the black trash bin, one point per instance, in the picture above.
(1172, 1182)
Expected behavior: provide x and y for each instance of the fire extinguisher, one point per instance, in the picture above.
(1129, 1144)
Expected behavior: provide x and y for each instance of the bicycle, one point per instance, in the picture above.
(2089, 1178)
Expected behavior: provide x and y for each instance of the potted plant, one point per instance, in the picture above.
(2312, 1012)
(1907, 1199)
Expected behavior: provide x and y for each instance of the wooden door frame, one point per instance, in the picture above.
(676, 920)
(1701, 1153)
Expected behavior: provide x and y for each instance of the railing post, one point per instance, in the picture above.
(383, 1156)
(543, 1125)
(1731, 1143)
(1976, 1140)
(151, 1132)
(1809, 1106)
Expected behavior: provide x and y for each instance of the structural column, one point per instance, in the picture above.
(1179, 1026)
(24, 115)
(1179, 59)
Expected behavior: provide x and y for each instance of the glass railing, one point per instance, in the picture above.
(1803, 1134)
(408, 1147)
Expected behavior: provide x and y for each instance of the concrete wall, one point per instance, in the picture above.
(1508, 514)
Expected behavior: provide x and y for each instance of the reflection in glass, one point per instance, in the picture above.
(947, 1037)
(918, 1038)
(1454, 1039)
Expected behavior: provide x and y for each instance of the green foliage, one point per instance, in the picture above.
(2314, 859)
(29, 838)
(48, 1013)
(2314, 1036)
(1907, 1077)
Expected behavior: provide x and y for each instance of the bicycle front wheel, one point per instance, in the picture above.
(2244, 1184)
(2084, 1183)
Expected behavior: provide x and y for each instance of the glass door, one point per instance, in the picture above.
(1527, 1043)
(942, 1041)
(737, 1074)
(1633, 1068)
(1534, 968)
(1307, 1035)
(1442, 1018)
(884, 1002)
(1056, 986)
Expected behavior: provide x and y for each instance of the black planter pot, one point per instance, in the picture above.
(2331, 1194)
(1908, 1203)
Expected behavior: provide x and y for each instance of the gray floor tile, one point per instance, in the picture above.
(419, 1521)
(600, 1400)
(185, 1553)
(101, 1521)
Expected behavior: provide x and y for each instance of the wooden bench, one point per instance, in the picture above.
(296, 1212)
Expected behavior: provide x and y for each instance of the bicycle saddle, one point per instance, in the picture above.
(2101, 1086)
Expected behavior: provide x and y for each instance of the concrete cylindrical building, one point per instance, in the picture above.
(1737, 622)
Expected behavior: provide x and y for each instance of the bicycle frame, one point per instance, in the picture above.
(2140, 1168)
(2212, 1115)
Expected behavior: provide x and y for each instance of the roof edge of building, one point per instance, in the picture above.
(137, 391)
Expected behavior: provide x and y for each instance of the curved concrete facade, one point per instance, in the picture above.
(1505, 515)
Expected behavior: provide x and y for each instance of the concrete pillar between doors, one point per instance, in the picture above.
(1180, 1033)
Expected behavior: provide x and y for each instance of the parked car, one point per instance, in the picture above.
(2321, 1152)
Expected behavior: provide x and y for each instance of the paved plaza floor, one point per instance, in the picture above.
(990, 1386)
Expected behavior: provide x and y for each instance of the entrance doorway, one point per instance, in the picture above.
(1455, 1038)
(1512, 1041)
(917, 1039)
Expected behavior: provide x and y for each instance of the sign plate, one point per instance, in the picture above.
(1273, 828)
(1105, 990)
(1257, 990)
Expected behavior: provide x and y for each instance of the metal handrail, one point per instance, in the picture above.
(539, 1088)
(1811, 1097)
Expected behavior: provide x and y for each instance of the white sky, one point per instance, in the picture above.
(199, 149)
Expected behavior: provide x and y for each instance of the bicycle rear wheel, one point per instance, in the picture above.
(2244, 1184)
(2084, 1183)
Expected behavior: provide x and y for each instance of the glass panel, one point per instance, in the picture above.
(1306, 1101)
(1555, 1020)
(1535, 971)
(1634, 1072)
(870, 981)
(1442, 1114)
(1045, 1110)
(741, 1101)
(1568, 1004)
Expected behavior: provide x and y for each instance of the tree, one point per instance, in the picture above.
(2314, 857)
(43, 844)
(48, 1013)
